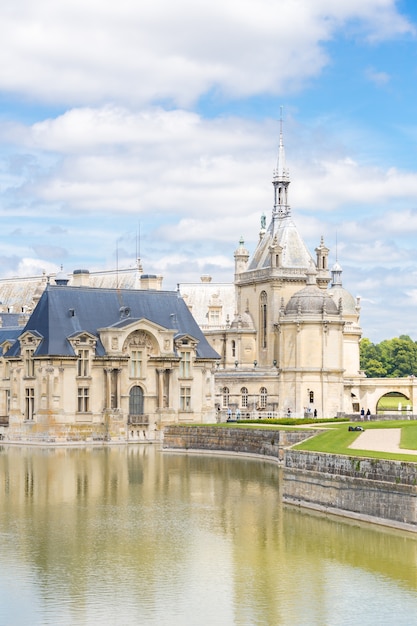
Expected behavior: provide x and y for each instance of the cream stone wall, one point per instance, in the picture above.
(108, 381)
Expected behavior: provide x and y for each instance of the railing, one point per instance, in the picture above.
(138, 420)
(249, 415)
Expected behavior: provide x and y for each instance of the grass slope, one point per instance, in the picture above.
(337, 439)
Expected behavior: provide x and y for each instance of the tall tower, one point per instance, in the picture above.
(281, 182)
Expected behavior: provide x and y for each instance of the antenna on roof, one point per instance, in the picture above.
(117, 264)
(138, 263)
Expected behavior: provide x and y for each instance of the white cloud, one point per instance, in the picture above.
(377, 77)
(77, 52)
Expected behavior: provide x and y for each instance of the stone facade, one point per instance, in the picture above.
(291, 346)
(112, 365)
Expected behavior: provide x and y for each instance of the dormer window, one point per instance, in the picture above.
(83, 365)
(136, 364)
(214, 316)
(185, 364)
(29, 363)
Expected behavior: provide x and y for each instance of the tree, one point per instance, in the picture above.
(394, 358)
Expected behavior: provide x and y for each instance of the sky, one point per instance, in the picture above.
(151, 129)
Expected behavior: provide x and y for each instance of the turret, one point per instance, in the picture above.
(241, 258)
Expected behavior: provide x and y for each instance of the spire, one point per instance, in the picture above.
(281, 181)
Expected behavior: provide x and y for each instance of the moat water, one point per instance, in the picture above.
(133, 535)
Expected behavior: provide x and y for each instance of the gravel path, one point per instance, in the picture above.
(380, 440)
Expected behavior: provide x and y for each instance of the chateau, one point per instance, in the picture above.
(98, 364)
(110, 356)
(287, 331)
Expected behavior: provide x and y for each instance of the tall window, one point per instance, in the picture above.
(136, 363)
(7, 402)
(83, 362)
(185, 398)
(311, 394)
(233, 348)
(29, 403)
(185, 365)
(136, 401)
(263, 319)
(244, 398)
(83, 400)
(263, 398)
(225, 396)
(29, 364)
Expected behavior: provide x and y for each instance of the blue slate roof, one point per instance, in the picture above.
(63, 311)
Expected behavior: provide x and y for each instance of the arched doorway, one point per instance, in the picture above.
(135, 403)
(394, 402)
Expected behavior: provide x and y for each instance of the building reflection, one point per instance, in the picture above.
(127, 523)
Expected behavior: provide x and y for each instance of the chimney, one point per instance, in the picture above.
(151, 281)
(81, 278)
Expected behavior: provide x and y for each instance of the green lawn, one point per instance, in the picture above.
(337, 438)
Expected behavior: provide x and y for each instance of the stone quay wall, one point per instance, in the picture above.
(379, 491)
(373, 490)
(259, 441)
(397, 472)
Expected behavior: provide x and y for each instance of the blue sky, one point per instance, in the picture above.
(163, 119)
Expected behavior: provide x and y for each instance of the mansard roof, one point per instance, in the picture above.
(63, 311)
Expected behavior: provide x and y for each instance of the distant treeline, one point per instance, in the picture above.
(391, 358)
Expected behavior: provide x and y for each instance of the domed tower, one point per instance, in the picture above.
(277, 268)
(310, 351)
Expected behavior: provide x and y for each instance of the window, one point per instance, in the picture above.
(233, 348)
(263, 398)
(29, 364)
(244, 398)
(311, 394)
(29, 403)
(185, 399)
(214, 317)
(263, 319)
(83, 363)
(7, 402)
(225, 396)
(136, 401)
(83, 400)
(135, 363)
(185, 365)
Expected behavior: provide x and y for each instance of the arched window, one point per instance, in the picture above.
(136, 401)
(263, 398)
(225, 396)
(263, 319)
(311, 393)
(244, 398)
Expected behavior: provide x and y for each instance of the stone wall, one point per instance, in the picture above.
(379, 502)
(398, 472)
(375, 490)
(261, 441)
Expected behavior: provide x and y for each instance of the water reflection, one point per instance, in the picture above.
(131, 535)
